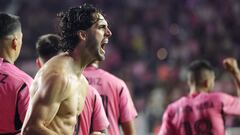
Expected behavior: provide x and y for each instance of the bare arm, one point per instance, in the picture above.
(45, 105)
(128, 128)
(232, 66)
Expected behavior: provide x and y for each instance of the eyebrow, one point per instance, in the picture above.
(101, 23)
(98, 19)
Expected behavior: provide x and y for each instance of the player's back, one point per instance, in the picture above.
(84, 119)
(14, 96)
(93, 116)
(115, 96)
(201, 113)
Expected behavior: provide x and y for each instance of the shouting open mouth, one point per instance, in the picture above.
(103, 44)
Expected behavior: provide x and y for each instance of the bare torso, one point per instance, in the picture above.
(63, 118)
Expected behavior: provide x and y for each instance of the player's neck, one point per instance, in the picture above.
(94, 65)
(81, 60)
(198, 89)
(79, 65)
(7, 56)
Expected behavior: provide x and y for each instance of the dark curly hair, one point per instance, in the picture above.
(73, 20)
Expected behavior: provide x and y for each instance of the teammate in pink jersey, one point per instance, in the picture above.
(14, 83)
(202, 112)
(93, 118)
(116, 99)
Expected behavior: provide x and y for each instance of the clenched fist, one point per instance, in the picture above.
(231, 65)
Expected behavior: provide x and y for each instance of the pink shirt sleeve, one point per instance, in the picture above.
(127, 109)
(230, 104)
(23, 101)
(100, 121)
(167, 127)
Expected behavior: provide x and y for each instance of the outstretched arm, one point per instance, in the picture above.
(231, 65)
(45, 105)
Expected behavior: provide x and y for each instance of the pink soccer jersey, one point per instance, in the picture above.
(199, 114)
(14, 97)
(93, 117)
(115, 95)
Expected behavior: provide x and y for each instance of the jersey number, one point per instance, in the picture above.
(201, 127)
(3, 77)
(105, 103)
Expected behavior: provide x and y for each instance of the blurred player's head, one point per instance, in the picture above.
(10, 37)
(47, 46)
(87, 26)
(201, 75)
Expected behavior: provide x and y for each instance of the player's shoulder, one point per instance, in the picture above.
(218, 95)
(55, 76)
(170, 110)
(16, 75)
(109, 78)
(177, 103)
(92, 91)
(173, 108)
(53, 69)
(213, 94)
(59, 63)
(113, 78)
(54, 84)
(48, 77)
(26, 78)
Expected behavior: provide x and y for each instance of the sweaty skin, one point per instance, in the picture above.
(56, 113)
(59, 90)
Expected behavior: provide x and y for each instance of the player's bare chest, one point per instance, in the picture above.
(77, 91)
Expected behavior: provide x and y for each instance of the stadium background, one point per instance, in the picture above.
(152, 42)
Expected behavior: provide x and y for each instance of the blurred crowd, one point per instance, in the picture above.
(153, 41)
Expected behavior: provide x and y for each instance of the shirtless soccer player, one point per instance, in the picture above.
(60, 87)
(202, 111)
(93, 118)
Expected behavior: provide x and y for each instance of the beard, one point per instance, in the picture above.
(100, 56)
(95, 50)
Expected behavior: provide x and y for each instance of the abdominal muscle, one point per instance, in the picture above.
(63, 125)
(66, 118)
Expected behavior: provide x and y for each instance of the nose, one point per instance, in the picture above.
(108, 32)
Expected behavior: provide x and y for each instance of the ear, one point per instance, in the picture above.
(205, 83)
(38, 63)
(14, 43)
(190, 79)
(82, 35)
